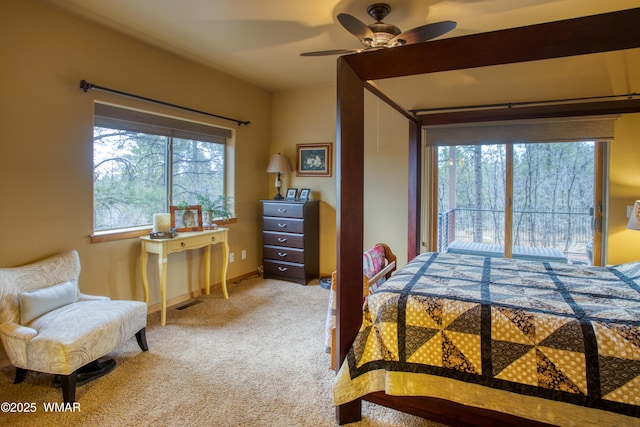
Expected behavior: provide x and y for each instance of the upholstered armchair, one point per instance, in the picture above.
(48, 325)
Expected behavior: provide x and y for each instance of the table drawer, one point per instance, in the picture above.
(289, 240)
(288, 210)
(288, 225)
(284, 269)
(177, 244)
(279, 253)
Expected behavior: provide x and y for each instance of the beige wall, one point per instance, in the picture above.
(624, 189)
(309, 116)
(304, 117)
(46, 139)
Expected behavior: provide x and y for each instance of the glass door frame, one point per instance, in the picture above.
(430, 208)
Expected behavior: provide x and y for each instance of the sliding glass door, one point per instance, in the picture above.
(526, 201)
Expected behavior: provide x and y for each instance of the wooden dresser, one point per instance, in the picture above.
(291, 240)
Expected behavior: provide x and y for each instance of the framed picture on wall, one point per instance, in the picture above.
(313, 159)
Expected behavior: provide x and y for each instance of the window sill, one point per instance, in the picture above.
(131, 233)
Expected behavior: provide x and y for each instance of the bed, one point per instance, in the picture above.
(357, 73)
(449, 326)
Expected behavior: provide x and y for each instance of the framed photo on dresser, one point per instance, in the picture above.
(291, 194)
(304, 194)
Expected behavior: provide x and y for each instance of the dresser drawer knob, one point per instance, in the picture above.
(213, 238)
(282, 254)
(282, 239)
(282, 268)
(282, 225)
(281, 210)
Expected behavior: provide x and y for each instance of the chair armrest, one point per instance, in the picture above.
(15, 339)
(87, 297)
(14, 330)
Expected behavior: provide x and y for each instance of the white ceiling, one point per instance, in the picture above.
(260, 40)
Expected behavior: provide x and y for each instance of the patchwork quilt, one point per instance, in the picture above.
(555, 331)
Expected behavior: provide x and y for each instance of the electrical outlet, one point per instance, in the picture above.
(244, 254)
(231, 257)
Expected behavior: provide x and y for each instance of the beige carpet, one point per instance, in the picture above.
(254, 360)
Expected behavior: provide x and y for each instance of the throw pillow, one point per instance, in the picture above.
(36, 303)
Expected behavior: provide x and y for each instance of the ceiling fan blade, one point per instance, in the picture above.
(330, 52)
(355, 26)
(425, 32)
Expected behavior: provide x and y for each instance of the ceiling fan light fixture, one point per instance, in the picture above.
(382, 40)
(381, 35)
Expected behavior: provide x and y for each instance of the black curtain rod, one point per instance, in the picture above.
(85, 86)
(519, 104)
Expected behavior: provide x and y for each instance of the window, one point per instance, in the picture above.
(143, 163)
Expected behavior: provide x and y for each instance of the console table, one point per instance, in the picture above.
(182, 242)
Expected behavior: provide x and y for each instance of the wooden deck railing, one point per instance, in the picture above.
(569, 232)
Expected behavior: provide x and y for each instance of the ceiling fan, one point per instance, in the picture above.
(380, 35)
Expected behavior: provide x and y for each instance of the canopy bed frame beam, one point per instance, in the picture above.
(579, 36)
(571, 37)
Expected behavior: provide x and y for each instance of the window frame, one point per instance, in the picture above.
(137, 120)
(429, 214)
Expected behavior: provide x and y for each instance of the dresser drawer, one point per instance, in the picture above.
(285, 270)
(288, 225)
(283, 239)
(288, 210)
(279, 253)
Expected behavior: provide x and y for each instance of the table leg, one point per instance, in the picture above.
(225, 264)
(144, 256)
(207, 269)
(162, 275)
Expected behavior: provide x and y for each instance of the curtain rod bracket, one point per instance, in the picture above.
(86, 86)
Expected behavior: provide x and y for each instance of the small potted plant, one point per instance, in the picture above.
(220, 207)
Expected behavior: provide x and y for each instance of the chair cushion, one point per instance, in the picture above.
(36, 303)
(78, 333)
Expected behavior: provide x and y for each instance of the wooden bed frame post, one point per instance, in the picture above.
(415, 189)
(349, 219)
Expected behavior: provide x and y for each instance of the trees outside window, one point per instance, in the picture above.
(138, 174)
(551, 196)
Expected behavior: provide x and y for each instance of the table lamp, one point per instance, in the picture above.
(279, 164)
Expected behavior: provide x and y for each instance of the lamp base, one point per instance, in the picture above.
(278, 196)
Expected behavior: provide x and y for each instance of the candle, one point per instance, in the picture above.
(161, 223)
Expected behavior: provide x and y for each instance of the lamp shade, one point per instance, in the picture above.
(279, 163)
(634, 219)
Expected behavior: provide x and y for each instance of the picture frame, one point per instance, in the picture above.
(292, 193)
(304, 194)
(187, 218)
(313, 159)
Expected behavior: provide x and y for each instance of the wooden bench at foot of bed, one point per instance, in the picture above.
(496, 251)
